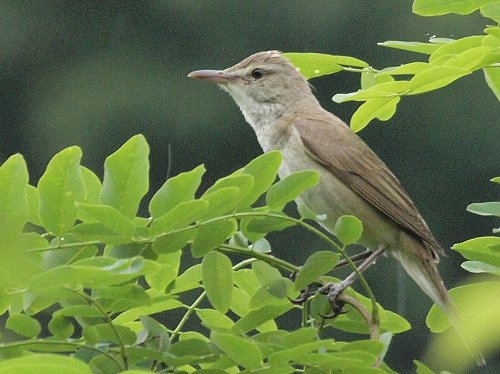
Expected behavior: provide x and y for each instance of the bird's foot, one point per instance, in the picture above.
(332, 292)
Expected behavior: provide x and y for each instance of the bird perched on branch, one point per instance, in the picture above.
(276, 100)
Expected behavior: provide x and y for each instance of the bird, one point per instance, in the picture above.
(278, 103)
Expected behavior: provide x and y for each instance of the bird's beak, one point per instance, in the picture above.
(215, 76)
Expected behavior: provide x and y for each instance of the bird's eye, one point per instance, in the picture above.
(257, 73)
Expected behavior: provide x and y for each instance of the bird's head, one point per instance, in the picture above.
(264, 84)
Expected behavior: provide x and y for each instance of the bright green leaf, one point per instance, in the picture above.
(59, 187)
(264, 170)
(257, 317)
(45, 364)
(221, 201)
(422, 369)
(370, 79)
(456, 47)
(173, 242)
(218, 280)
(60, 326)
(318, 264)
(290, 188)
(485, 249)
(492, 77)
(24, 325)
(382, 109)
(313, 65)
(348, 229)
(425, 48)
(109, 217)
(485, 209)
(243, 351)
(244, 183)
(88, 232)
(211, 235)
(434, 78)
(176, 190)
(14, 209)
(169, 264)
(440, 7)
(180, 216)
(411, 68)
(106, 333)
(492, 11)
(126, 176)
(382, 90)
(214, 320)
(79, 311)
(33, 205)
(480, 267)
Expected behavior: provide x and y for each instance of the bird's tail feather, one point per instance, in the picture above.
(424, 272)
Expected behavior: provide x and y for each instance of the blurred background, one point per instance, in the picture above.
(94, 73)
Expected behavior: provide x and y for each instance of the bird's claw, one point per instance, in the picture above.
(332, 292)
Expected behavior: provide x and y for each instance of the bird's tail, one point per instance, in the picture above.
(424, 272)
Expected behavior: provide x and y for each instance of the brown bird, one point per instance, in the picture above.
(276, 100)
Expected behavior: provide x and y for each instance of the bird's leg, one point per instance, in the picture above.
(312, 289)
(333, 290)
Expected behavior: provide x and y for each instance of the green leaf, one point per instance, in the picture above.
(290, 188)
(265, 273)
(483, 293)
(480, 267)
(14, 209)
(474, 58)
(492, 77)
(485, 209)
(244, 183)
(348, 229)
(88, 232)
(456, 47)
(126, 176)
(217, 276)
(265, 225)
(485, 249)
(306, 213)
(44, 364)
(214, 320)
(381, 90)
(173, 242)
(106, 333)
(79, 311)
(440, 7)
(382, 109)
(93, 186)
(274, 292)
(411, 68)
(33, 205)
(169, 264)
(492, 11)
(109, 217)
(211, 235)
(176, 190)
(59, 188)
(257, 317)
(370, 79)
(434, 78)
(300, 336)
(157, 306)
(263, 169)
(60, 326)
(422, 369)
(318, 264)
(90, 273)
(313, 65)
(221, 201)
(180, 216)
(242, 351)
(23, 325)
(425, 48)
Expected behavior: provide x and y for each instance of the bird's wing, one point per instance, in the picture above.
(330, 142)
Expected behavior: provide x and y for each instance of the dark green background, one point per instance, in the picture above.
(94, 73)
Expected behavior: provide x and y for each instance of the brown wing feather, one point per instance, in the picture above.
(328, 140)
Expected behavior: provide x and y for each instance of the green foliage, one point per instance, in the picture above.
(109, 280)
(448, 60)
